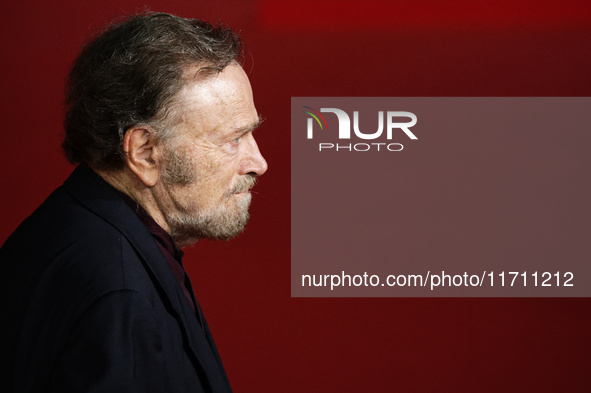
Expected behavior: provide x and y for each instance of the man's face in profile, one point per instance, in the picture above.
(212, 160)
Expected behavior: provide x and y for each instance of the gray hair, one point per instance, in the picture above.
(129, 75)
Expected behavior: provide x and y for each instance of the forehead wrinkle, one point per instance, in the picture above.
(241, 130)
(218, 105)
(196, 112)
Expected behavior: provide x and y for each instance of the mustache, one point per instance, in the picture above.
(243, 185)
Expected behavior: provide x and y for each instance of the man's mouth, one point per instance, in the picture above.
(244, 186)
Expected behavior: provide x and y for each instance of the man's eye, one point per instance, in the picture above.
(237, 140)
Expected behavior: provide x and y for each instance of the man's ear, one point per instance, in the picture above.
(142, 155)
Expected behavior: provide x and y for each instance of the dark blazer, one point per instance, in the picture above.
(90, 304)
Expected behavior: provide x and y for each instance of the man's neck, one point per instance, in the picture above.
(126, 182)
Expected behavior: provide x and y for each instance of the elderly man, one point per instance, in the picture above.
(160, 118)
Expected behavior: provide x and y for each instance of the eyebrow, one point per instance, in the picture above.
(249, 128)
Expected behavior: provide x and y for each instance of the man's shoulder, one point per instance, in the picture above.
(62, 222)
(61, 215)
(64, 241)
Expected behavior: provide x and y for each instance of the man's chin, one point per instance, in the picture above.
(186, 232)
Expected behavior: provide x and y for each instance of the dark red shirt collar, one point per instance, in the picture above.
(173, 255)
(160, 235)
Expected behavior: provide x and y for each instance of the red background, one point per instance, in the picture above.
(268, 341)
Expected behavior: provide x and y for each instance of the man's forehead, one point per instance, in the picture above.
(225, 97)
(219, 123)
(231, 76)
(229, 87)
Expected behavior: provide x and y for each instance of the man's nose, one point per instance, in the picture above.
(253, 162)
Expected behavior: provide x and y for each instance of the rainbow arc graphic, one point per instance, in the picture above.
(317, 116)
